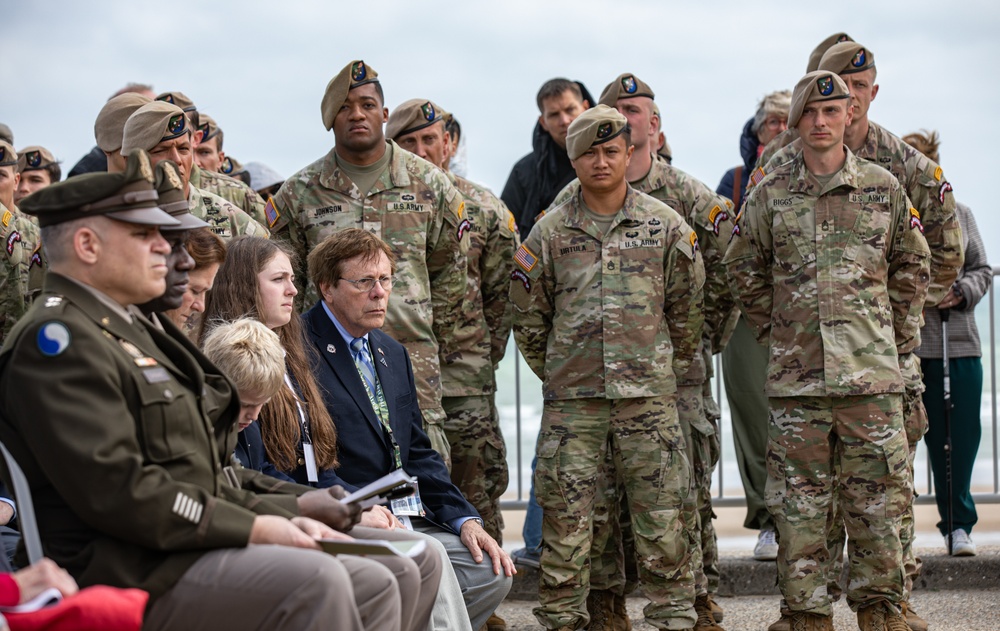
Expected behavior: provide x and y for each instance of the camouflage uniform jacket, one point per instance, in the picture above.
(231, 190)
(480, 341)
(613, 315)
(21, 254)
(711, 217)
(415, 209)
(831, 278)
(929, 192)
(226, 219)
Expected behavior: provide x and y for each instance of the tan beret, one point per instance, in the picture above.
(172, 200)
(127, 196)
(595, 126)
(821, 85)
(153, 123)
(8, 157)
(824, 46)
(110, 123)
(6, 134)
(847, 58)
(34, 158)
(413, 115)
(353, 74)
(626, 86)
(207, 127)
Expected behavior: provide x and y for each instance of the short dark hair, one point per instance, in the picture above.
(555, 87)
(326, 261)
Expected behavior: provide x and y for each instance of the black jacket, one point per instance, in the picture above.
(93, 162)
(748, 149)
(538, 177)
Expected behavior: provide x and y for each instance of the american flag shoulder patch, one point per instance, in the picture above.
(271, 212)
(525, 258)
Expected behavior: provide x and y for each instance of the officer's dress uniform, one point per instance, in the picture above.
(606, 320)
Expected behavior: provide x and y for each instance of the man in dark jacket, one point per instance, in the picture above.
(538, 177)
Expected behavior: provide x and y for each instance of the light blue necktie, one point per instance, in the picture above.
(364, 362)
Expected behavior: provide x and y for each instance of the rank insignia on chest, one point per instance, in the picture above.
(525, 258)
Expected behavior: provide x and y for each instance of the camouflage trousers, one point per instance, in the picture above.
(849, 451)
(613, 562)
(434, 420)
(915, 425)
(575, 479)
(478, 456)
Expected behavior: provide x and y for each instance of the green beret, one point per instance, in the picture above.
(182, 101)
(820, 85)
(353, 74)
(208, 129)
(626, 86)
(153, 123)
(8, 157)
(595, 126)
(34, 158)
(6, 134)
(127, 196)
(824, 46)
(411, 116)
(110, 123)
(172, 199)
(847, 58)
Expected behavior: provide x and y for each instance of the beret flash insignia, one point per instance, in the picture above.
(629, 84)
(825, 85)
(359, 71)
(860, 58)
(604, 131)
(176, 124)
(34, 158)
(428, 111)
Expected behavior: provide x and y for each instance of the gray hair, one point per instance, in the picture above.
(774, 103)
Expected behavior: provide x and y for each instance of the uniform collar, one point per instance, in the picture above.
(333, 177)
(576, 216)
(801, 181)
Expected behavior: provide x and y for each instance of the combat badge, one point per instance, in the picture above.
(525, 258)
(53, 339)
(717, 216)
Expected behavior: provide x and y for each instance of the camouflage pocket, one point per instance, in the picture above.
(675, 474)
(776, 486)
(914, 416)
(898, 490)
(548, 490)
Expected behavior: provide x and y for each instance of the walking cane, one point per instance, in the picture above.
(949, 517)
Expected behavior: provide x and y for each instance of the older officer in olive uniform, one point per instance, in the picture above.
(468, 369)
(21, 244)
(163, 130)
(931, 194)
(607, 293)
(830, 267)
(136, 413)
(709, 215)
(367, 182)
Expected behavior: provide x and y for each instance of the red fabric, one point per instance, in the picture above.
(97, 608)
(10, 593)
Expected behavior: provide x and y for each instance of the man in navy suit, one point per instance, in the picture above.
(368, 386)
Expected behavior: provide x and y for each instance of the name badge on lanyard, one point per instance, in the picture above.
(310, 457)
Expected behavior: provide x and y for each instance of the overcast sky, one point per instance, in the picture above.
(260, 68)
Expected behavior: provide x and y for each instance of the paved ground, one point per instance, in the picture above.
(945, 610)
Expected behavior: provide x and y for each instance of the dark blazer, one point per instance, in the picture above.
(363, 446)
(118, 429)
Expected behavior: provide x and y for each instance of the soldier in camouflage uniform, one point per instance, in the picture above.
(607, 294)
(207, 175)
(368, 182)
(830, 267)
(162, 129)
(21, 246)
(931, 194)
(468, 368)
(709, 215)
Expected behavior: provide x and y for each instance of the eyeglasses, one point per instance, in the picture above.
(368, 284)
(775, 123)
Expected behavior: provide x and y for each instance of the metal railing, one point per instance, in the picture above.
(721, 498)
